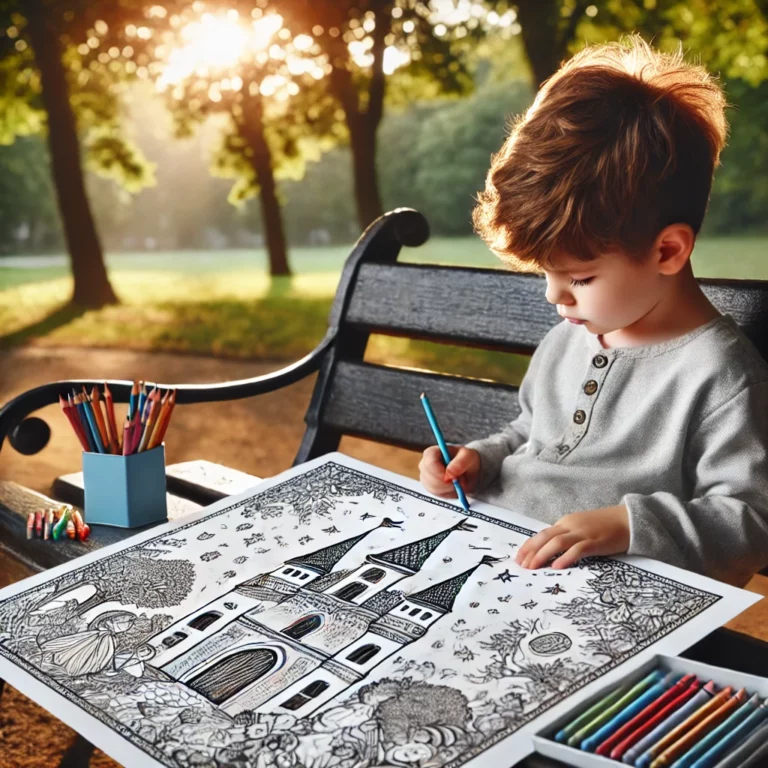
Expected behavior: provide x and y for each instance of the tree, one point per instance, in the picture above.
(44, 78)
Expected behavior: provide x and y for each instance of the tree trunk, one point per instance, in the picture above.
(91, 284)
(539, 22)
(366, 184)
(253, 132)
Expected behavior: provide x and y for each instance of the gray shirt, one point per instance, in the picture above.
(676, 431)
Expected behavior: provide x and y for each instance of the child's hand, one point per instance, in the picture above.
(603, 531)
(438, 479)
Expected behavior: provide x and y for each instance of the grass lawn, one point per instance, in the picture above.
(223, 303)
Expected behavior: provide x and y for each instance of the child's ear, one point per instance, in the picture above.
(673, 248)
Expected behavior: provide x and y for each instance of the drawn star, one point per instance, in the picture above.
(555, 589)
(530, 604)
(505, 576)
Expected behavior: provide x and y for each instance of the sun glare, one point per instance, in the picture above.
(217, 43)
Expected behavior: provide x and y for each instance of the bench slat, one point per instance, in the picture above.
(382, 403)
(501, 309)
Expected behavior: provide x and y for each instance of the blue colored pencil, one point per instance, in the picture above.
(142, 398)
(443, 448)
(94, 427)
(625, 715)
(720, 754)
(78, 399)
(133, 401)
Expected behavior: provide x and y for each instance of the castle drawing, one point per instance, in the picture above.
(293, 639)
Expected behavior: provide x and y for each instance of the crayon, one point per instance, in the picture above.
(30, 524)
(109, 406)
(677, 733)
(61, 525)
(721, 755)
(647, 720)
(48, 524)
(38, 524)
(640, 755)
(727, 726)
(70, 529)
(635, 691)
(688, 740)
(563, 734)
(628, 713)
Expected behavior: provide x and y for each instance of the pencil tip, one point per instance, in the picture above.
(423, 395)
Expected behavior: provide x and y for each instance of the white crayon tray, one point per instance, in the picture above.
(544, 741)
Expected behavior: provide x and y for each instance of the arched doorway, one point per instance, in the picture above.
(231, 674)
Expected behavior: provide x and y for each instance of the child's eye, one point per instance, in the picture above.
(581, 282)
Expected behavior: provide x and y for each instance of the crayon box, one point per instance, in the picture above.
(125, 491)
(544, 741)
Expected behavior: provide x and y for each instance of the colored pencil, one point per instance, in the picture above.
(169, 413)
(99, 416)
(61, 525)
(66, 407)
(431, 418)
(563, 734)
(750, 749)
(625, 750)
(729, 725)
(629, 712)
(154, 411)
(127, 435)
(635, 691)
(688, 739)
(136, 434)
(142, 398)
(77, 423)
(632, 726)
(641, 753)
(153, 439)
(87, 408)
(109, 406)
(133, 400)
(78, 405)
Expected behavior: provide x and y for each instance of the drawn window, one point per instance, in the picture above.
(227, 677)
(303, 626)
(304, 576)
(427, 615)
(404, 608)
(174, 639)
(373, 575)
(312, 691)
(204, 620)
(288, 571)
(414, 612)
(363, 654)
(351, 591)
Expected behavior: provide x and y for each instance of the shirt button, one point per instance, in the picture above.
(590, 387)
(599, 361)
(579, 417)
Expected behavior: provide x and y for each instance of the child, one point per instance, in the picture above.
(643, 425)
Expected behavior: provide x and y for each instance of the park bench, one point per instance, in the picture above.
(490, 309)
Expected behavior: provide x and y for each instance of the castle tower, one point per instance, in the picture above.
(406, 622)
(383, 569)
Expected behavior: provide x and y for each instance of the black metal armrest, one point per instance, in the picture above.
(31, 435)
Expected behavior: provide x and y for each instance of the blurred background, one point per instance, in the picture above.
(181, 181)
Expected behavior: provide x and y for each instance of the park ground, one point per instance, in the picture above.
(202, 317)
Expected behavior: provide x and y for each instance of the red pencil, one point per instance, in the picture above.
(136, 434)
(111, 423)
(619, 750)
(74, 420)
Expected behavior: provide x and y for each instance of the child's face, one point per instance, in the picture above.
(616, 293)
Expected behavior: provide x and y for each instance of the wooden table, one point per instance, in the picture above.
(195, 484)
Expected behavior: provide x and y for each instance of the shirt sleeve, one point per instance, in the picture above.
(722, 531)
(494, 449)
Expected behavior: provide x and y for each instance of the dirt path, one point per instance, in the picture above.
(259, 436)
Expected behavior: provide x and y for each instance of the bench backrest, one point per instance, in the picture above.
(491, 309)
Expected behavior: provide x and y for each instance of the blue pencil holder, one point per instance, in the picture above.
(125, 491)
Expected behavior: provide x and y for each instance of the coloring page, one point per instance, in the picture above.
(337, 616)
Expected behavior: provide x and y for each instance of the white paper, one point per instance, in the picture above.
(336, 616)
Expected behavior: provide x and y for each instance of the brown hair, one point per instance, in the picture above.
(620, 142)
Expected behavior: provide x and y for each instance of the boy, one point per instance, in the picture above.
(643, 425)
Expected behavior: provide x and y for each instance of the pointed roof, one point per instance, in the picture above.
(442, 596)
(412, 556)
(324, 560)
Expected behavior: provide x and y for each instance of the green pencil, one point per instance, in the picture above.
(563, 734)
